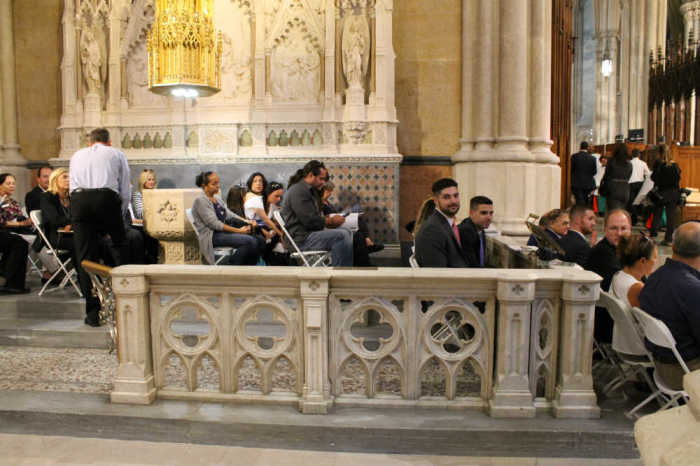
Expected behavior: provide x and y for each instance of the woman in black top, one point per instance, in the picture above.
(666, 177)
(615, 184)
(55, 210)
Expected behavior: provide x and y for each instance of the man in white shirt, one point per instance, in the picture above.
(640, 172)
(100, 191)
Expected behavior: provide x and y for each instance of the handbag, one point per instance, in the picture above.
(655, 196)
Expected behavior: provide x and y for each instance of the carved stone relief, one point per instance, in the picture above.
(296, 69)
(137, 84)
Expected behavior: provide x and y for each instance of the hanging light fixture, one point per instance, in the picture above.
(184, 50)
(606, 66)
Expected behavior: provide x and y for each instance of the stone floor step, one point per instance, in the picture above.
(51, 333)
(369, 430)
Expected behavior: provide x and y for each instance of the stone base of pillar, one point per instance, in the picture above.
(93, 111)
(512, 403)
(517, 188)
(133, 390)
(315, 405)
(11, 155)
(179, 252)
(579, 404)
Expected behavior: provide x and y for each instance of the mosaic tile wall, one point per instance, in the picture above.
(374, 186)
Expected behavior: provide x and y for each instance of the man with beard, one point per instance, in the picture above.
(577, 247)
(471, 230)
(438, 243)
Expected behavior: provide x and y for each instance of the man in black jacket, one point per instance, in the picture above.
(577, 247)
(438, 239)
(471, 230)
(33, 198)
(603, 261)
(583, 170)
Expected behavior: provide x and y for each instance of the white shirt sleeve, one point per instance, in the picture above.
(250, 206)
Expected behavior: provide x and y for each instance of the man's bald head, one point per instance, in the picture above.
(686, 241)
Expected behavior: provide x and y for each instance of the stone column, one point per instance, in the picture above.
(511, 393)
(691, 20)
(164, 218)
(314, 293)
(607, 26)
(505, 147)
(134, 382)
(10, 142)
(574, 393)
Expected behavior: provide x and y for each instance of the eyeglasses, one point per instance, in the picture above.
(275, 186)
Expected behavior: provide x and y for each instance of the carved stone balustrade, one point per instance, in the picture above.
(510, 342)
(670, 438)
(164, 219)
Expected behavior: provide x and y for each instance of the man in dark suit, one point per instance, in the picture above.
(33, 198)
(577, 247)
(471, 230)
(437, 240)
(583, 170)
(603, 261)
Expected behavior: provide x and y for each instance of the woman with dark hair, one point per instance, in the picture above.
(217, 226)
(666, 177)
(234, 200)
(615, 184)
(11, 217)
(254, 205)
(638, 255)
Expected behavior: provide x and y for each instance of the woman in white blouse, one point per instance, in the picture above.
(255, 206)
(638, 255)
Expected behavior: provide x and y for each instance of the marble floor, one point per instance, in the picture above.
(32, 450)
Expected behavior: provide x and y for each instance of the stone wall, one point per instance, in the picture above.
(427, 42)
(37, 27)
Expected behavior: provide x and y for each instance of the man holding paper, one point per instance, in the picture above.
(362, 244)
(305, 222)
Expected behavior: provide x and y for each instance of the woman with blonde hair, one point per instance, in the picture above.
(147, 180)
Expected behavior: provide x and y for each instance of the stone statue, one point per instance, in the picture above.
(355, 49)
(94, 60)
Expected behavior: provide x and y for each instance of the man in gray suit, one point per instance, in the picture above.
(437, 241)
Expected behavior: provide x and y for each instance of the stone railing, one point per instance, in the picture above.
(507, 341)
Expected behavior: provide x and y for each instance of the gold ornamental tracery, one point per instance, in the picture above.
(184, 49)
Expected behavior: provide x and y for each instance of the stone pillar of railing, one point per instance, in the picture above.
(670, 437)
(316, 397)
(164, 218)
(134, 382)
(511, 394)
(575, 397)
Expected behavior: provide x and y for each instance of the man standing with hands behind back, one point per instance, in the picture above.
(100, 190)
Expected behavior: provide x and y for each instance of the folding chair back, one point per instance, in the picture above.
(658, 333)
(626, 337)
(318, 258)
(35, 215)
(221, 252)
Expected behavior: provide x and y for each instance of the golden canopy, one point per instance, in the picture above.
(184, 51)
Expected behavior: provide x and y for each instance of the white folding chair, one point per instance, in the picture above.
(34, 265)
(412, 259)
(308, 258)
(658, 333)
(222, 252)
(630, 358)
(35, 215)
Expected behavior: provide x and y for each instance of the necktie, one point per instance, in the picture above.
(455, 231)
(482, 250)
